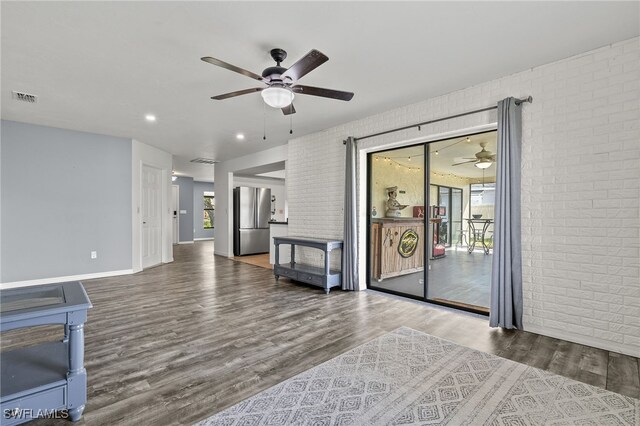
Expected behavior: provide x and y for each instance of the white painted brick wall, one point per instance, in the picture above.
(580, 187)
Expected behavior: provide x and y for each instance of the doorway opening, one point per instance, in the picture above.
(430, 221)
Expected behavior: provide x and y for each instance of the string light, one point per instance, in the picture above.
(433, 173)
(467, 139)
(398, 165)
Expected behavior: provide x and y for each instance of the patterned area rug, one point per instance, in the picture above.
(408, 377)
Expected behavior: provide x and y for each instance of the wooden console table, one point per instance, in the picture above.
(38, 380)
(326, 277)
(386, 239)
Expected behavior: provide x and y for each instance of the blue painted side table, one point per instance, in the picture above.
(38, 380)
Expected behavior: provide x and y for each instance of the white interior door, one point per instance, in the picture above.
(151, 216)
(175, 207)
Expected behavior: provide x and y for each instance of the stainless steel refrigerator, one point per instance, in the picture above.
(251, 215)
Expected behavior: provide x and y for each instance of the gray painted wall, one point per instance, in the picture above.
(199, 188)
(64, 194)
(186, 203)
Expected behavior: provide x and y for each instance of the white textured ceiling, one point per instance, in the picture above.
(101, 66)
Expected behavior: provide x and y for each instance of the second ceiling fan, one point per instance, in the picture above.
(483, 159)
(282, 82)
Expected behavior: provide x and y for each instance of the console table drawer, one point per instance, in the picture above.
(310, 278)
(33, 405)
(285, 272)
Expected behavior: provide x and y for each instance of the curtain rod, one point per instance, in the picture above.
(518, 102)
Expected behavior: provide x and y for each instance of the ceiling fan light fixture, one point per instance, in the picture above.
(484, 164)
(277, 97)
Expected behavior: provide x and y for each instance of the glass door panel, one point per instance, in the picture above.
(456, 216)
(445, 210)
(396, 221)
(459, 275)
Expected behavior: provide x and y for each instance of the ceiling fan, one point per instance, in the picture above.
(483, 159)
(281, 82)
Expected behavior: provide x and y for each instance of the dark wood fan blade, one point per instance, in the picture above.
(464, 162)
(237, 93)
(230, 67)
(288, 110)
(305, 65)
(325, 93)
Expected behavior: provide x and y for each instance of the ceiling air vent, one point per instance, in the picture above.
(204, 160)
(24, 97)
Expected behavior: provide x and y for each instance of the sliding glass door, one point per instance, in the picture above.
(431, 221)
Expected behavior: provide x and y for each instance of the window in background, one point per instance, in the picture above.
(209, 210)
(483, 199)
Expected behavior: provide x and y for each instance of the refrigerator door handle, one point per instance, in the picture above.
(255, 209)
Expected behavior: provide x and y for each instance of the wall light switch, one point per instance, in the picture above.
(183, 212)
(94, 254)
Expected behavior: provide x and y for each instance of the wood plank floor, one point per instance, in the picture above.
(460, 277)
(261, 260)
(180, 342)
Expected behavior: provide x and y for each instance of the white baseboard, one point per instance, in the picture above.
(41, 281)
(203, 239)
(221, 253)
(584, 340)
(185, 242)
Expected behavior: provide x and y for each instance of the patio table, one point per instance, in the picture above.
(477, 231)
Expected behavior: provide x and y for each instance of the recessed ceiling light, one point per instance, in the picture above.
(240, 136)
(150, 117)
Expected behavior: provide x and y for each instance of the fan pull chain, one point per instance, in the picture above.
(290, 124)
(264, 122)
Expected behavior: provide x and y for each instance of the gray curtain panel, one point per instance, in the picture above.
(350, 245)
(506, 269)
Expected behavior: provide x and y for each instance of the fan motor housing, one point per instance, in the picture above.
(273, 71)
